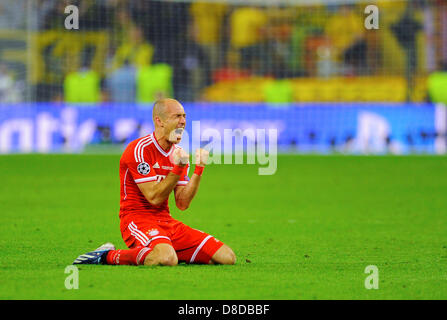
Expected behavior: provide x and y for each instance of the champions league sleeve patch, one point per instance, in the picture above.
(143, 168)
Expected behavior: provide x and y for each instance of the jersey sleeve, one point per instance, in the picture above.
(140, 171)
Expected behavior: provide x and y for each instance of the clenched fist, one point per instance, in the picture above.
(201, 157)
(180, 157)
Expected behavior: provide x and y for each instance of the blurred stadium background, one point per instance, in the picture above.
(310, 69)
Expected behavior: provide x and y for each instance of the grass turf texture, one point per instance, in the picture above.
(307, 232)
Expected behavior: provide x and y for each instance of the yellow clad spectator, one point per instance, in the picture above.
(437, 85)
(154, 82)
(278, 92)
(137, 51)
(207, 28)
(83, 86)
(208, 19)
(121, 29)
(246, 24)
(345, 29)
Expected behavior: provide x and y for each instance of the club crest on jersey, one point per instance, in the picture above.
(143, 168)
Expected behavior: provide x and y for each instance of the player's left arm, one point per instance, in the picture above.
(185, 194)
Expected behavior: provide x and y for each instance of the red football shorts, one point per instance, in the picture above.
(191, 245)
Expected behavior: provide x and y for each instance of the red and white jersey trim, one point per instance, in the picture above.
(159, 178)
(125, 177)
(139, 148)
(160, 148)
(146, 141)
(146, 179)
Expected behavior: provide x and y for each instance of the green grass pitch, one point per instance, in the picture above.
(307, 232)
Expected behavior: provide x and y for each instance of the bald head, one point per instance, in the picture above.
(169, 120)
(159, 110)
(163, 107)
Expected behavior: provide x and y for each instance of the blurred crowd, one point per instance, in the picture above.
(166, 48)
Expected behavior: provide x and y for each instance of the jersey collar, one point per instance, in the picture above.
(162, 151)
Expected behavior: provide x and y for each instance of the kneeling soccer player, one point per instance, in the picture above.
(152, 167)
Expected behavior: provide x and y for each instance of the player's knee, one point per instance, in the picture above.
(230, 257)
(224, 256)
(162, 254)
(169, 259)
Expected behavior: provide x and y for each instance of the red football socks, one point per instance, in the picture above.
(133, 256)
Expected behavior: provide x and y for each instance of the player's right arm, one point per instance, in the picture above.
(157, 192)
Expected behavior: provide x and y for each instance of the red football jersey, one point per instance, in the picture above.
(145, 160)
